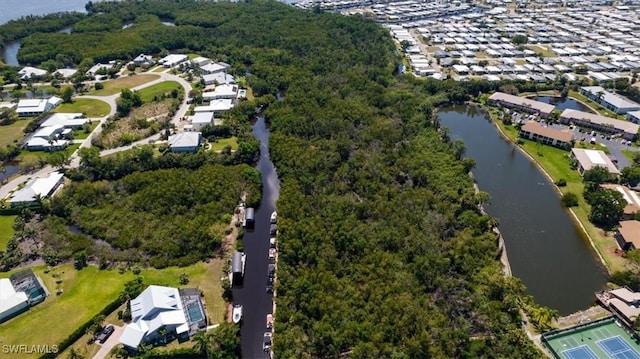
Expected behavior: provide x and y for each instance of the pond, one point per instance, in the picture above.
(546, 250)
(564, 103)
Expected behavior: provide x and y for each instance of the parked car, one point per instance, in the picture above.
(269, 321)
(272, 270)
(266, 341)
(105, 334)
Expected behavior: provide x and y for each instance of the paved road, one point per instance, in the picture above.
(111, 100)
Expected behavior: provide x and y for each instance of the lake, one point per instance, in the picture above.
(546, 250)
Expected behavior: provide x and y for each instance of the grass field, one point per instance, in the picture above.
(82, 134)
(89, 290)
(12, 133)
(6, 230)
(35, 156)
(160, 89)
(555, 163)
(89, 107)
(159, 69)
(113, 87)
(220, 144)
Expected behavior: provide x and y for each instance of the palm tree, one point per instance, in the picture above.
(202, 343)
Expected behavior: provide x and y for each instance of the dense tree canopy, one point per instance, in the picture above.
(383, 250)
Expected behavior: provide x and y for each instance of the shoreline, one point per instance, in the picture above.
(574, 217)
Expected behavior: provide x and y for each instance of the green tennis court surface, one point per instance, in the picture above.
(602, 339)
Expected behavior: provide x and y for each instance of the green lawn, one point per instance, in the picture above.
(542, 50)
(555, 162)
(82, 134)
(89, 107)
(113, 87)
(159, 69)
(220, 144)
(160, 89)
(35, 156)
(14, 132)
(88, 291)
(6, 230)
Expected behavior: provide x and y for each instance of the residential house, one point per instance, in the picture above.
(214, 67)
(200, 61)
(626, 129)
(219, 105)
(19, 292)
(218, 78)
(185, 142)
(67, 120)
(521, 104)
(93, 71)
(173, 60)
(633, 116)
(200, 120)
(155, 308)
(49, 138)
(588, 159)
(28, 72)
(623, 302)
(36, 188)
(65, 73)
(226, 91)
(630, 196)
(143, 59)
(611, 101)
(628, 235)
(546, 135)
(35, 107)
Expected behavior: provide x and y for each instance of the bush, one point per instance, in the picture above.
(561, 182)
(99, 85)
(569, 199)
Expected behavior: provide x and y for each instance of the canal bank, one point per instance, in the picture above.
(546, 250)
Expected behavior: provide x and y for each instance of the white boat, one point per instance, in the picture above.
(237, 313)
(274, 217)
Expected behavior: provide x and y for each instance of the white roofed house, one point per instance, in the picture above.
(154, 309)
(66, 120)
(522, 104)
(12, 302)
(29, 72)
(219, 105)
(214, 67)
(226, 91)
(143, 59)
(98, 67)
(36, 188)
(588, 159)
(628, 130)
(200, 120)
(185, 142)
(200, 61)
(611, 101)
(218, 78)
(35, 107)
(65, 73)
(173, 60)
(49, 138)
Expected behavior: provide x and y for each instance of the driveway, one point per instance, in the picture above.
(113, 340)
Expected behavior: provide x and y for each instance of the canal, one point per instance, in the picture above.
(256, 302)
(546, 250)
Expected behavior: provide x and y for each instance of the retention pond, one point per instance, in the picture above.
(546, 249)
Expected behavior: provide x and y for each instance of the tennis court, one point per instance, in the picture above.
(602, 339)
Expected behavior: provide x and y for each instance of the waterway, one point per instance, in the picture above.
(564, 103)
(546, 249)
(9, 169)
(256, 302)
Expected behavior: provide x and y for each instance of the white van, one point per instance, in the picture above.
(593, 141)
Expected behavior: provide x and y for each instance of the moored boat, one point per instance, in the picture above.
(274, 218)
(237, 313)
